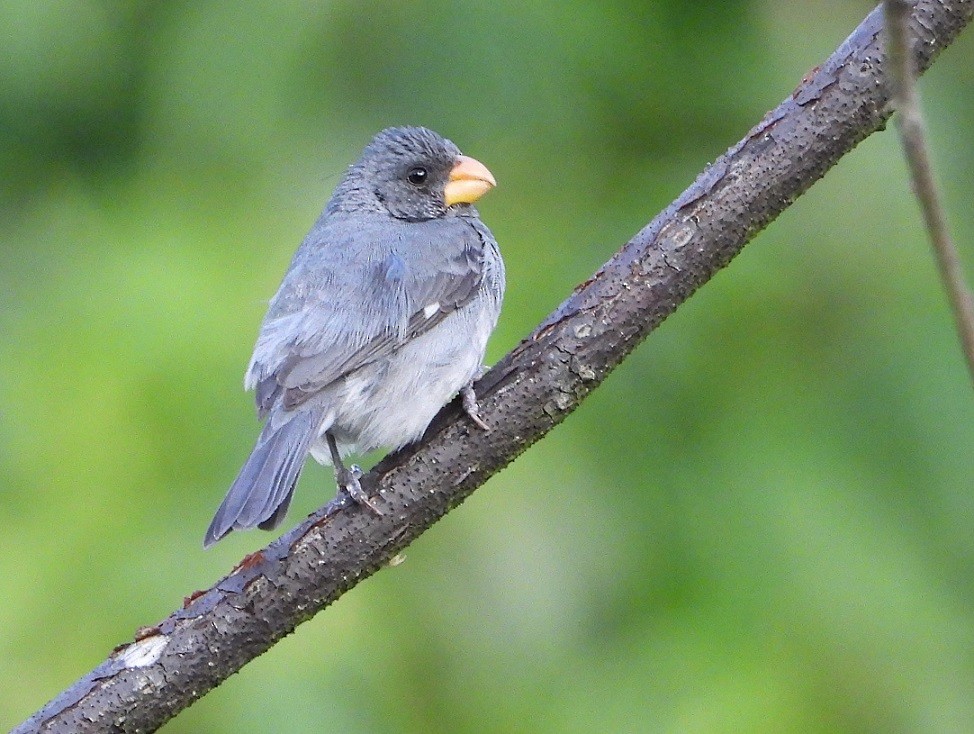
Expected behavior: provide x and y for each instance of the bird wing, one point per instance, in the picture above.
(335, 314)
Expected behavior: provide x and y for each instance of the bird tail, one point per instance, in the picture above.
(261, 493)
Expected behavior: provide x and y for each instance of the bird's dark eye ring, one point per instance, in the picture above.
(417, 176)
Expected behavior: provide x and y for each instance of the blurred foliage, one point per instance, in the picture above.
(762, 522)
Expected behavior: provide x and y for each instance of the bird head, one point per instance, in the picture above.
(413, 174)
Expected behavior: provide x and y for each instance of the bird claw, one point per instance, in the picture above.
(469, 400)
(348, 482)
(347, 478)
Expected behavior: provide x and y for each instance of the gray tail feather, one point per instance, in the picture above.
(261, 493)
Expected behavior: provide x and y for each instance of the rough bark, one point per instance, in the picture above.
(144, 683)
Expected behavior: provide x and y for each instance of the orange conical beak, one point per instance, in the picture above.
(469, 180)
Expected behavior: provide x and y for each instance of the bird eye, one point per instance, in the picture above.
(417, 176)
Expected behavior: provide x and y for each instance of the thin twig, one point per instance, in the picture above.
(913, 134)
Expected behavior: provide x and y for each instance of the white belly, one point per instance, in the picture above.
(390, 403)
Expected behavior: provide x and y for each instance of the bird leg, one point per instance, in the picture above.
(469, 400)
(348, 477)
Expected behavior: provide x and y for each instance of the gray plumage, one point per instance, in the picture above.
(382, 317)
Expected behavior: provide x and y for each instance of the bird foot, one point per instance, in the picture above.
(348, 482)
(469, 400)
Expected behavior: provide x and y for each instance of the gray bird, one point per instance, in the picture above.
(383, 316)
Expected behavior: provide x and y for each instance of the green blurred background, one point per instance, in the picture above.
(762, 522)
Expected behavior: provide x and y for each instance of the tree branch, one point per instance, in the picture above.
(913, 134)
(144, 683)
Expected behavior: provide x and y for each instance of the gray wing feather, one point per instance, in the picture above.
(357, 299)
